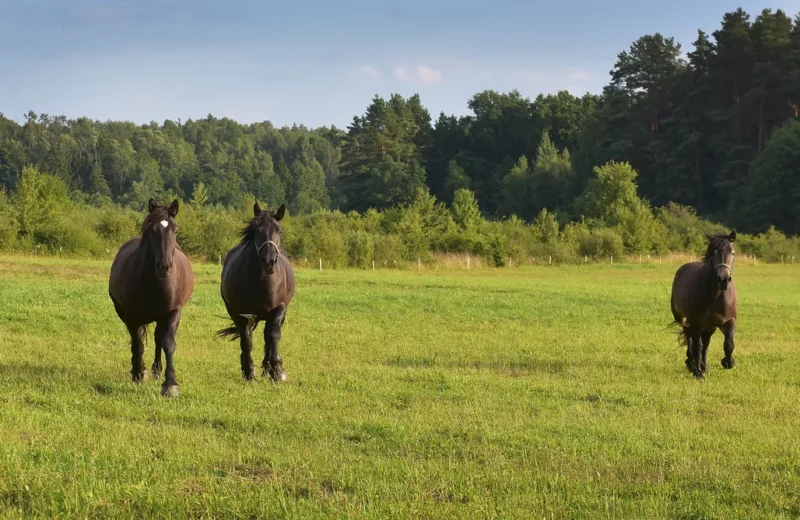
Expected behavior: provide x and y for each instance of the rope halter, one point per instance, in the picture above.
(730, 267)
(258, 248)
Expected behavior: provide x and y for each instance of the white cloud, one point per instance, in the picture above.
(370, 72)
(418, 75)
(578, 74)
(573, 79)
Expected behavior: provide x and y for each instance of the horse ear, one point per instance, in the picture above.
(732, 236)
(151, 205)
(256, 209)
(173, 208)
(279, 214)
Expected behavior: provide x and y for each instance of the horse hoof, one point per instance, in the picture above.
(277, 375)
(251, 376)
(156, 370)
(170, 391)
(728, 363)
(138, 378)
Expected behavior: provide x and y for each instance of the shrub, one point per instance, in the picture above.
(360, 248)
(388, 250)
(115, 225)
(69, 236)
(601, 243)
(497, 250)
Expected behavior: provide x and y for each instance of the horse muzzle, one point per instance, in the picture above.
(163, 269)
(269, 266)
(723, 282)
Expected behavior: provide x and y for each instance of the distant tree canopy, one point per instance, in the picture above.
(700, 131)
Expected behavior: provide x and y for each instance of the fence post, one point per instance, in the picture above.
(640, 258)
(220, 259)
(612, 259)
(373, 265)
(419, 265)
(320, 264)
(792, 260)
(467, 262)
(549, 260)
(585, 259)
(659, 259)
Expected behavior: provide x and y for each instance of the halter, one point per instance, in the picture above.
(730, 267)
(258, 248)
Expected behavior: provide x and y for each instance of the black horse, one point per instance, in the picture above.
(151, 281)
(257, 285)
(704, 299)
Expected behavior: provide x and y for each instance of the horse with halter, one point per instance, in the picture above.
(704, 300)
(257, 285)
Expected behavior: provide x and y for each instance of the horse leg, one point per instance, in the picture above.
(245, 330)
(159, 339)
(137, 352)
(697, 353)
(728, 329)
(165, 331)
(273, 364)
(687, 336)
(706, 339)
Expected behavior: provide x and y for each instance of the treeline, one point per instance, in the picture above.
(41, 217)
(716, 131)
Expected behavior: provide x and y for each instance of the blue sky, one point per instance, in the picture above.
(316, 62)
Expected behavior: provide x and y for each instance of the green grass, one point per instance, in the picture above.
(514, 393)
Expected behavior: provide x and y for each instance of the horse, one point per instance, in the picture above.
(257, 285)
(151, 281)
(703, 300)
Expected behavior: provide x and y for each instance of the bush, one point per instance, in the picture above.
(360, 248)
(601, 243)
(497, 250)
(8, 228)
(685, 230)
(206, 232)
(770, 246)
(68, 236)
(388, 250)
(116, 226)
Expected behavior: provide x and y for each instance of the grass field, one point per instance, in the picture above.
(513, 393)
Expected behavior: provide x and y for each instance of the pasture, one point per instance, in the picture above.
(509, 393)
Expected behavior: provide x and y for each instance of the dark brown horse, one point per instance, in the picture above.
(704, 299)
(257, 285)
(151, 281)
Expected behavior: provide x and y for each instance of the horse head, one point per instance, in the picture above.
(159, 231)
(265, 233)
(721, 254)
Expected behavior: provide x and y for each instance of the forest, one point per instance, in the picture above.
(678, 144)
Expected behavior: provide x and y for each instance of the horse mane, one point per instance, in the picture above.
(157, 215)
(715, 243)
(247, 233)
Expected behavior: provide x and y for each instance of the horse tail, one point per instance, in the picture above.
(681, 332)
(232, 332)
(142, 336)
(682, 337)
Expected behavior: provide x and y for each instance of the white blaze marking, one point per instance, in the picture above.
(164, 223)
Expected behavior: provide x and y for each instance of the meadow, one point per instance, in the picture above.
(530, 392)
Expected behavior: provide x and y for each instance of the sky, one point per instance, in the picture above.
(317, 62)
